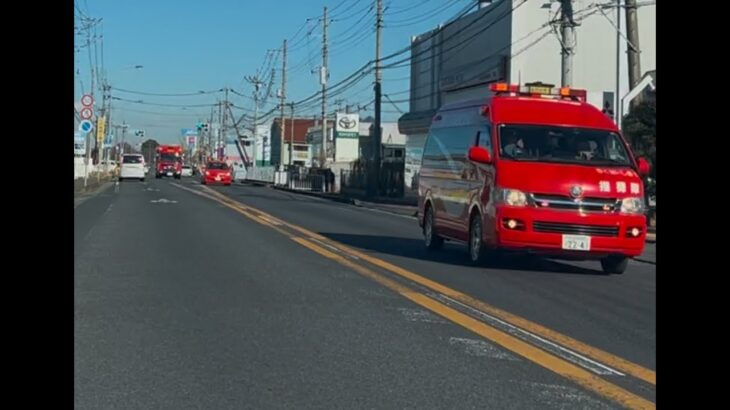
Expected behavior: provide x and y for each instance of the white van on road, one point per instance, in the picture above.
(133, 166)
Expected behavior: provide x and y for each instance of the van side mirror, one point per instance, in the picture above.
(480, 155)
(644, 167)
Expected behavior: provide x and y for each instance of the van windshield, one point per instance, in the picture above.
(132, 159)
(166, 157)
(541, 143)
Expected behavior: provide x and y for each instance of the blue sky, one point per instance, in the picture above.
(187, 46)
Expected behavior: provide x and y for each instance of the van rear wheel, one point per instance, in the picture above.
(431, 239)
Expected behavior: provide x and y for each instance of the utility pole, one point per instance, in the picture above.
(224, 125)
(632, 32)
(377, 127)
(568, 41)
(124, 135)
(282, 99)
(89, 135)
(323, 80)
(291, 133)
(218, 130)
(210, 133)
(105, 101)
(618, 63)
(256, 82)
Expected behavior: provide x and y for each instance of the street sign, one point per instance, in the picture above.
(100, 130)
(86, 113)
(87, 100)
(79, 145)
(86, 126)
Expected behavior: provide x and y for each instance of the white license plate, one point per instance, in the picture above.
(577, 242)
(169, 174)
(217, 178)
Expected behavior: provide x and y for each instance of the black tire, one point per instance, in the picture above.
(476, 244)
(615, 264)
(157, 176)
(430, 237)
(177, 176)
(202, 182)
(141, 180)
(121, 179)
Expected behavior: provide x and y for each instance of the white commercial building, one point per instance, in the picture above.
(518, 41)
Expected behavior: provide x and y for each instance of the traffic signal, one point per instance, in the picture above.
(206, 127)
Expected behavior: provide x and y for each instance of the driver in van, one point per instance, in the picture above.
(515, 146)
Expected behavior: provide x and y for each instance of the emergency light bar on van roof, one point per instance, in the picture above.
(539, 90)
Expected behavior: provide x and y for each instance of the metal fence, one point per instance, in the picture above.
(308, 182)
(391, 183)
(261, 174)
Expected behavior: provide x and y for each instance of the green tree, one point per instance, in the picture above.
(148, 149)
(639, 127)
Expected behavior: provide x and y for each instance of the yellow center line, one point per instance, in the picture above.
(532, 353)
(607, 358)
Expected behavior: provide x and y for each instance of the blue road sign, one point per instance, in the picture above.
(86, 126)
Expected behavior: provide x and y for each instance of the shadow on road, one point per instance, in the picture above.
(453, 254)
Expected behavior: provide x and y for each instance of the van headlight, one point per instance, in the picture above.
(632, 205)
(511, 197)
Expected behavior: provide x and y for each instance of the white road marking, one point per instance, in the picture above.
(421, 315)
(480, 348)
(563, 352)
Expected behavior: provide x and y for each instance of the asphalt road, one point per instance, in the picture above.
(184, 299)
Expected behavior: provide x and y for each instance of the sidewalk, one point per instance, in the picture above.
(93, 186)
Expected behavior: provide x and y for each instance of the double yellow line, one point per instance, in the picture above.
(547, 360)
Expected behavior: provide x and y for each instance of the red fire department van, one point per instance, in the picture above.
(168, 161)
(532, 168)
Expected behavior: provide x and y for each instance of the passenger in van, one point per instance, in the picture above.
(515, 146)
(585, 150)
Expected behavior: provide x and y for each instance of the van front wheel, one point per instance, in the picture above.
(476, 251)
(614, 264)
(432, 240)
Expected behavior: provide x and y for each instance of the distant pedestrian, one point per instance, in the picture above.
(607, 109)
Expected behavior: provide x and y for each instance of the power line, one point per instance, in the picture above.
(423, 17)
(163, 105)
(368, 5)
(168, 94)
(171, 114)
(419, 4)
(463, 43)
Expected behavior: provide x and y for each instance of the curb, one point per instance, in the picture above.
(80, 197)
(340, 199)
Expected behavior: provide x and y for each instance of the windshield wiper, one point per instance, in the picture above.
(608, 161)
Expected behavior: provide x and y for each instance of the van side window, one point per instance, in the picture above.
(431, 152)
(484, 138)
(446, 147)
